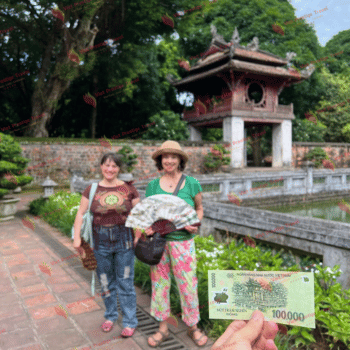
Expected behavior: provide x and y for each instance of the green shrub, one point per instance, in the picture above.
(59, 210)
(128, 158)
(316, 155)
(216, 158)
(332, 310)
(36, 205)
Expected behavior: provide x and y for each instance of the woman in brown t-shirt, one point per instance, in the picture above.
(113, 242)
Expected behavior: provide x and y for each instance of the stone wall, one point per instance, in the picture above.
(61, 158)
(339, 153)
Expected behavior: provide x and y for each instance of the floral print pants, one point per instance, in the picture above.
(181, 257)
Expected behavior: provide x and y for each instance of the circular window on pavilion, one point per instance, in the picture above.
(255, 94)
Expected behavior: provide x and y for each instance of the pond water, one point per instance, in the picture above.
(328, 210)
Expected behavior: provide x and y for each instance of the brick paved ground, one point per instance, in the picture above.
(32, 292)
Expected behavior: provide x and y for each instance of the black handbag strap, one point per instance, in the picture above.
(177, 189)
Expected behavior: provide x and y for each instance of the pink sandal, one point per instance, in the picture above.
(107, 326)
(127, 332)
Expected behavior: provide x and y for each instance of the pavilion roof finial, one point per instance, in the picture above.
(215, 35)
(171, 79)
(308, 71)
(254, 44)
(289, 57)
(235, 37)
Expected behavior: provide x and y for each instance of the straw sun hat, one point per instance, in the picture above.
(170, 147)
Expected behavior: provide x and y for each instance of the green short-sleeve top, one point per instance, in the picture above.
(187, 193)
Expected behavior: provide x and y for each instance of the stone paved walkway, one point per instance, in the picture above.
(48, 305)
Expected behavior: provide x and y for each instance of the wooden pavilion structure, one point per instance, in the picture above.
(249, 81)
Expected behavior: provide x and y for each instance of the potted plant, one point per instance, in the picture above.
(226, 160)
(129, 161)
(12, 167)
(216, 159)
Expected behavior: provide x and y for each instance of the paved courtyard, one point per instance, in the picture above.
(45, 297)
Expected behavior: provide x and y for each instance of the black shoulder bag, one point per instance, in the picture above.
(151, 249)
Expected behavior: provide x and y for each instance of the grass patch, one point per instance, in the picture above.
(211, 187)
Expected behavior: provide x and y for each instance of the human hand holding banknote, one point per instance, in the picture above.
(256, 334)
(285, 297)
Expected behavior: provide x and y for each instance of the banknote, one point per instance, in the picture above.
(283, 297)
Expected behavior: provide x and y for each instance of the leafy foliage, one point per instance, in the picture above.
(332, 310)
(12, 165)
(317, 155)
(59, 210)
(215, 159)
(333, 109)
(340, 42)
(306, 131)
(168, 126)
(212, 134)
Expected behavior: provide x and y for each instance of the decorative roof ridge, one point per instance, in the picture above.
(220, 43)
(265, 53)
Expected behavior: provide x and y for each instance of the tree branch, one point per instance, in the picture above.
(19, 24)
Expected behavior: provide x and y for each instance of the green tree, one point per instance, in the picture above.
(51, 45)
(168, 126)
(333, 109)
(212, 134)
(339, 43)
(307, 131)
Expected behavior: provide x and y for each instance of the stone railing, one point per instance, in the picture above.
(258, 185)
(325, 238)
(282, 183)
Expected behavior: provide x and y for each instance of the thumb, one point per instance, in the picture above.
(253, 328)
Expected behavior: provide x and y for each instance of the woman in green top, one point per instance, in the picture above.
(179, 254)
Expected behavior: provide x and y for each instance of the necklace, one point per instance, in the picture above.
(172, 185)
(118, 183)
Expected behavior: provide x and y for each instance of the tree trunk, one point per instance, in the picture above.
(50, 87)
(43, 108)
(257, 158)
(94, 110)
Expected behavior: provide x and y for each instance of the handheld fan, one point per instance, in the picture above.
(164, 213)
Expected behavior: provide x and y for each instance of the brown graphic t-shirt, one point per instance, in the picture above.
(112, 205)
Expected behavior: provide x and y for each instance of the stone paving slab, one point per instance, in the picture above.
(45, 303)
